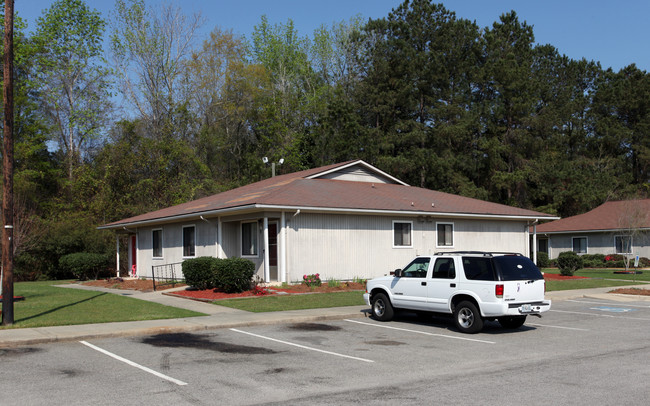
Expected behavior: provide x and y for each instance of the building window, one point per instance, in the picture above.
(249, 239)
(542, 245)
(156, 241)
(445, 234)
(580, 245)
(402, 234)
(623, 244)
(189, 241)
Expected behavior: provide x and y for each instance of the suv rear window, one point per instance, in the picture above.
(516, 268)
(478, 268)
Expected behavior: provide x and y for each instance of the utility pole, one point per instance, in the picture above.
(8, 170)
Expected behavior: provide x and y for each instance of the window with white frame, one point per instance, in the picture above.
(402, 231)
(189, 241)
(623, 244)
(156, 243)
(445, 234)
(249, 239)
(580, 245)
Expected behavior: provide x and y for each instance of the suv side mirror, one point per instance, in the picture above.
(397, 273)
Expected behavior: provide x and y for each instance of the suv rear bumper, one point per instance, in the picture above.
(514, 309)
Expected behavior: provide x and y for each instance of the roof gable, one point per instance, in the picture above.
(613, 215)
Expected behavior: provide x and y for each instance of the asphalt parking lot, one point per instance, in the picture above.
(584, 351)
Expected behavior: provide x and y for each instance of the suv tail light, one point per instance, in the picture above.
(498, 291)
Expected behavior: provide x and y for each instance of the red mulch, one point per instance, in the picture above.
(214, 294)
(631, 291)
(144, 285)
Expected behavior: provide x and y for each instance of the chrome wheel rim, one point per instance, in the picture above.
(465, 317)
(379, 307)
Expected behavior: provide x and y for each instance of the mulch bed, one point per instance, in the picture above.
(215, 294)
(143, 285)
(631, 291)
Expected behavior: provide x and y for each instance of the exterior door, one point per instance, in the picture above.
(273, 251)
(133, 271)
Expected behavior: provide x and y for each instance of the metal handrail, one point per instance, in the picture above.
(168, 272)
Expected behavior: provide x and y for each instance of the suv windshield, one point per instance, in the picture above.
(514, 268)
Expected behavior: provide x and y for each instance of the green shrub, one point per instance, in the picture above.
(85, 265)
(644, 262)
(542, 260)
(569, 262)
(234, 275)
(201, 272)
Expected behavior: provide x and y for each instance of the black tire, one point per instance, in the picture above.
(382, 309)
(512, 321)
(467, 318)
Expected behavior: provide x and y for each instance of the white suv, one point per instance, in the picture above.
(473, 286)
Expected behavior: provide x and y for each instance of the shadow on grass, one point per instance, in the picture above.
(61, 307)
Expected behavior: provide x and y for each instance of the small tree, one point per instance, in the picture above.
(631, 221)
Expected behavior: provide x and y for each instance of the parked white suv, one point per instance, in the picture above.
(473, 286)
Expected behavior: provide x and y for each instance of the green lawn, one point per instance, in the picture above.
(605, 274)
(46, 305)
(552, 285)
(295, 302)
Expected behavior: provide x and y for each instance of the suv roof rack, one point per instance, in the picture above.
(484, 253)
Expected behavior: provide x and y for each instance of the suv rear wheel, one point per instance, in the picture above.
(467, 318)
(381, 308)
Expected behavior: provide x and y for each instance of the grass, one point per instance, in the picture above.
(295, 302)
(605, 274)
(552, 285)
(47, 305)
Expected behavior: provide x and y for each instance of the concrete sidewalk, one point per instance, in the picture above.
(223, 317)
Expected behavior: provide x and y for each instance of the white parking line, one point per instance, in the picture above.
(608, 303)
(422, 332)
(302, 346)
(133, 364)
(562, 327)
(601, 315)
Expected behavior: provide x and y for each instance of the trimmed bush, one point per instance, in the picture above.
(84, 265)
(542, 260)
(569, 262)
(234, 275)
(201, 272)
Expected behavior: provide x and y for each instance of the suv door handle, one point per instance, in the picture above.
(424, 283)
(452, 285)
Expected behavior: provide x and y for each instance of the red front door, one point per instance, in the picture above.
(134, 268)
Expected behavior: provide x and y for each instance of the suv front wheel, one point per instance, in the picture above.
(381, 308)
(467, 318)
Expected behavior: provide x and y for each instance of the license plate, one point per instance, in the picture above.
(526, 308)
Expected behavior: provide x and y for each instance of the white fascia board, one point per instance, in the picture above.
(169, 219)
(358, 162)
(610, 230)
(402, 213)
(305, 209)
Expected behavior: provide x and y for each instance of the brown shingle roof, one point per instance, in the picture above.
(295, 190)
(608, 216)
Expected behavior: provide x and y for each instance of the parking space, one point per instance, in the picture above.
(347, 360)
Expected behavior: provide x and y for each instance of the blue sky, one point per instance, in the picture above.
(615, 33)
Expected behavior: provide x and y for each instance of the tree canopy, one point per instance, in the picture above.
(429, 97)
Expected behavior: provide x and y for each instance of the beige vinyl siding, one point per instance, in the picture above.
(348, 246)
